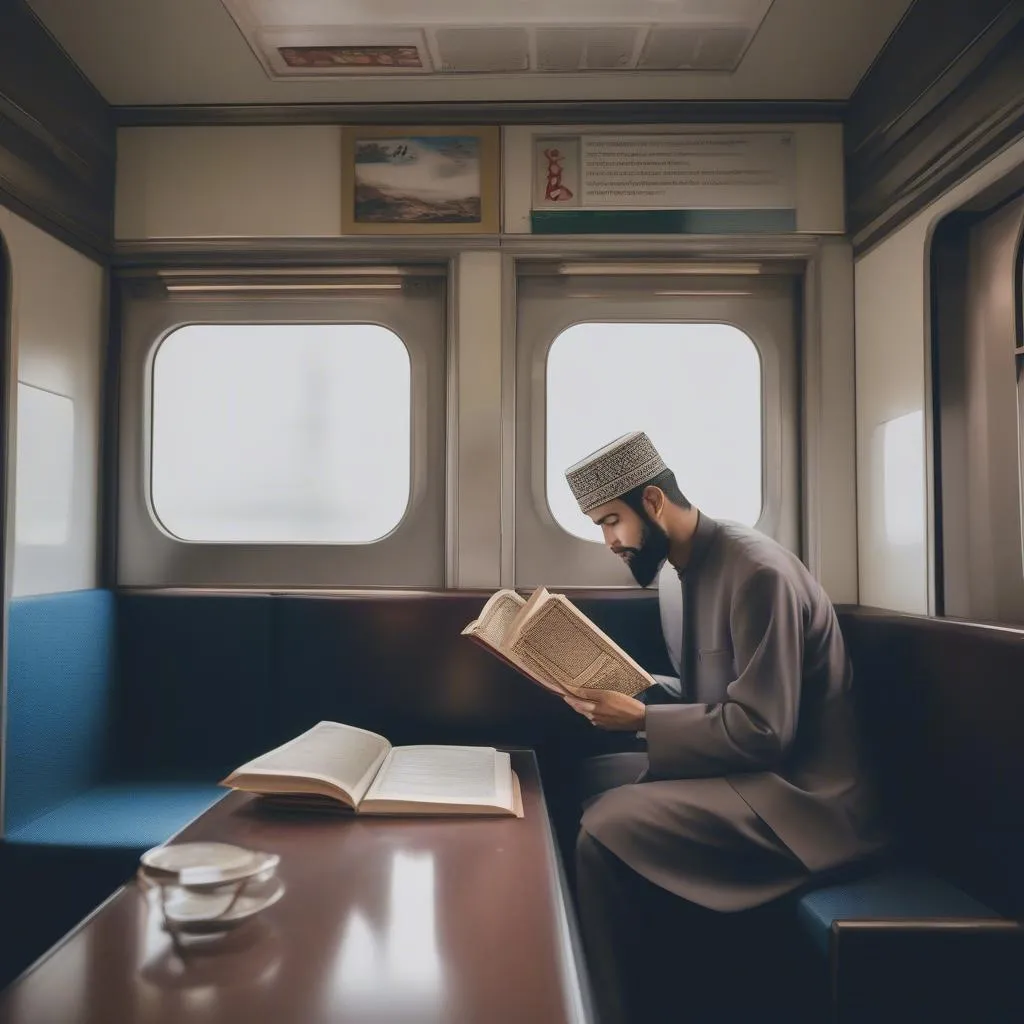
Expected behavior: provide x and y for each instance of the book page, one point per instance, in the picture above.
(449, 775)
(496, 618)
(496, 626)
(539, 671)
(536, 599)
(343, 757)
(575, 653)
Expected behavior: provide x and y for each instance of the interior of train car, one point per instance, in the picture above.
(308, 308)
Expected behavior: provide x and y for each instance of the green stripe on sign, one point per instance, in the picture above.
(662, 222)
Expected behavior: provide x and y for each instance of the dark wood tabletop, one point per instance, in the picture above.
(432, 921)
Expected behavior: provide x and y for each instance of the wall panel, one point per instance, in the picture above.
(893, 326)
(58, 317)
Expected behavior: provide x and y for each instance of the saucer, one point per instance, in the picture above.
(207, 865)
(204, 912)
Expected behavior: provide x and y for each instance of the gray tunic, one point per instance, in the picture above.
(756, 782)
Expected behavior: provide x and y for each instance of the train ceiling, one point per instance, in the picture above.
(146, 52)
(328, 38)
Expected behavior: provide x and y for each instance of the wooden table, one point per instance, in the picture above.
(389, 920)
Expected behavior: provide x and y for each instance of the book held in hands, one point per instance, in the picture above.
(549, 640)
(341, 766)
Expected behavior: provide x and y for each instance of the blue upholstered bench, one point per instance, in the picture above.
(902, 944)
(75, 818)
(61, 785)
(889, 894)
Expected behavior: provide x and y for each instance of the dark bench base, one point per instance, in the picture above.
(893, 971)
(902, 944)
(45, 891)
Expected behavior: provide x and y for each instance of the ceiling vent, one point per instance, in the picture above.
(693, 49)
(332, 38)
(482, 50)
(586, 49)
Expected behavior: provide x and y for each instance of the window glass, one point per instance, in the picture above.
(695, 388)
(281, 433)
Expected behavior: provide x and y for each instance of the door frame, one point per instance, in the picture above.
(6, 519)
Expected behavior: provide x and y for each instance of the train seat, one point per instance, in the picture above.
(77, 816)
(893, 893)
(902, 943)
(934, 932)
(129, 816)
(62, 784)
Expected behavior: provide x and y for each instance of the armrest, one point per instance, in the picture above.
(902, 969)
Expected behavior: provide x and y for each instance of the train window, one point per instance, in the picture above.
(702, 408)
(44, 466)
(706, 363)
(284, 429)
(253, 431)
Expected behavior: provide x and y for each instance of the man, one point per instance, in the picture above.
(752, 782)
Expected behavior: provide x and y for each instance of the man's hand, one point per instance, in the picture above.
(609, 710)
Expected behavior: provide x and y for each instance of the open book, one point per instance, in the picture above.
(552, 642)
(343, 766)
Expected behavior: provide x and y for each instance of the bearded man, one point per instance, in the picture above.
(752, 783)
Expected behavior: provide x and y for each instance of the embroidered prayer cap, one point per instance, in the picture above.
(619, 466)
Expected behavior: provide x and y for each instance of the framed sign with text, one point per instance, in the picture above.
(679, 182)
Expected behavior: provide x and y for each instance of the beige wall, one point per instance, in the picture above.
(831, 463)
(228, 182)
(478, 393)
(285, 181)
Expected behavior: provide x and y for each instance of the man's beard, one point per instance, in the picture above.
(645, 561)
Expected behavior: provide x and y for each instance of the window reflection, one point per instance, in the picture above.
(382, 975)
(903, 486)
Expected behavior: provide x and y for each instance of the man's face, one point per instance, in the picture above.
(639, 541)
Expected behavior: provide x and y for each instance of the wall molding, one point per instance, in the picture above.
(503, 113)
(343, 250)
(935, 105)
(57, 138)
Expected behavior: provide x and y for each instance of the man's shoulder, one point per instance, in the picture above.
(750, 544)
(750, 553)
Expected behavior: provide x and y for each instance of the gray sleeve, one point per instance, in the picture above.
(668, 688)
(752, 729)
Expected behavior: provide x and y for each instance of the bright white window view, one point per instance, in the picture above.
(281, 433)
(694, 387)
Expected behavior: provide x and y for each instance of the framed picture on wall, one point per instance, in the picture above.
(418, 181)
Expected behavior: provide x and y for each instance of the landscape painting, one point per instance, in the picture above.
(417, 180)
(426, 179)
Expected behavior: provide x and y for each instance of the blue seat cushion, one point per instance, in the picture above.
(893, 893)
(126, 815)
(61, 661)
